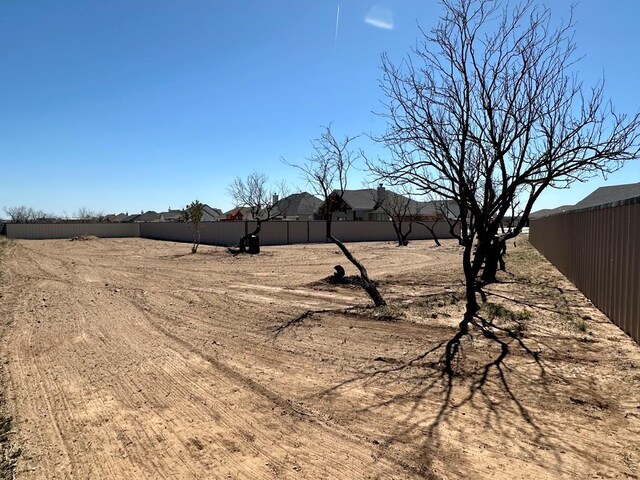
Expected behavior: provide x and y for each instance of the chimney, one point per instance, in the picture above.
(382, 193)
(275, 198)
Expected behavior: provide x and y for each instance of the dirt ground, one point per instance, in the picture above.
(130, 358)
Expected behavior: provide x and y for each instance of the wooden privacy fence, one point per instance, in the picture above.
(598, 249)
(226, 233)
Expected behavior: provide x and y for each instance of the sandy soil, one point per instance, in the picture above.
(129, 358)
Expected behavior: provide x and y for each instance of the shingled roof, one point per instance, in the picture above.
(600, 196)
(297, 204)
(545, 212)
(604, 195)
(364, 199)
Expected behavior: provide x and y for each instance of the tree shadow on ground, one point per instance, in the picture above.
(448, 385)
(525, 391)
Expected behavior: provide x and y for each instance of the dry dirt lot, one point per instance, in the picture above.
(129, 358)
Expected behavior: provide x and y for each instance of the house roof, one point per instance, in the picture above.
(438, 207)
(246, 212)
(367, 199)
(613, 193)
(600, 196)
(211, 214)
(297, 204)
(130, 218)
(149, 216)
(363, 199)
(550, 211)
(171, 214)
(116, 218)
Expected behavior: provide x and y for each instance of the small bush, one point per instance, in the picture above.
(388, 313)
(581, 326)
(495, 310)
(519, 318)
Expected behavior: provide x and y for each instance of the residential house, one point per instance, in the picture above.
(210, 214)
(298, 206)
(379, 204)
(130, 218)
(238, 214)
(149, 216)
(171, 216)
(116, 218)
(360, 204)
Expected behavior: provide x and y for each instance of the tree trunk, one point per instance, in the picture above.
(433, 234)
(196, 241)
(405, 236)
(470, 282)
(493, 261)
(398, 234)
(367, 284)
(242, 245)
(397, 227)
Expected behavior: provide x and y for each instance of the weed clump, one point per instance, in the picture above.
(517, 320)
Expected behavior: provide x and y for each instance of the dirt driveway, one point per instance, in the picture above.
(128, 358)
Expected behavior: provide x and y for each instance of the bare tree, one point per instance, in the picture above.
(441, 212)
(85, 214)
(24, 214)
(192, 214)
(401, 209)
(487, 112)
(326, 172)
(21, 214)
(260, 197)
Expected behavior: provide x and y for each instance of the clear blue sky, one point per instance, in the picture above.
(127, 105)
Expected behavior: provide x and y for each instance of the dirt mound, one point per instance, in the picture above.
(83, 238)
(346, 281)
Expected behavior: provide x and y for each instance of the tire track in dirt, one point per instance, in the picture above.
(125, 398)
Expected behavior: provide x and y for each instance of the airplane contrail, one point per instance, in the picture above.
(335, 40)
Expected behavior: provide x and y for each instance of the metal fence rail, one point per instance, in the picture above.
(598, 249)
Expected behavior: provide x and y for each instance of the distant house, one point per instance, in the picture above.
(378, 204)
(600, 196)
(149, 216)
(130, 218)
(549, 211)
(604, 195)
(171, 216)
(210, 214)
(360, 204)
(298, 206)
(116, 218)
(437, 210)
(238, 214)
